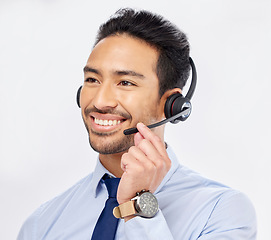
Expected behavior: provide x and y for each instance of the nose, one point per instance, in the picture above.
(105, 97)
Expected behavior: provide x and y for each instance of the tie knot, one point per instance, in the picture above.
(111, 185)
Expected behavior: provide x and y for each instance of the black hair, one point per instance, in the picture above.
(173, 63)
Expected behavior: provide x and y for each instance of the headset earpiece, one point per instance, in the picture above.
(175, 104)
(78, 96)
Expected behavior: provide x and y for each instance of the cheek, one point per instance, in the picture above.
(143, 107)
(133, 106)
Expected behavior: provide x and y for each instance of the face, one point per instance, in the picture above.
(120, 89)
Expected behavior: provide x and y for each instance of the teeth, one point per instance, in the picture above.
(106, 122)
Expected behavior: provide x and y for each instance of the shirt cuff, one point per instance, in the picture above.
(148, 228)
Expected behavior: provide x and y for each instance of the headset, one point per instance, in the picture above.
(177, 107)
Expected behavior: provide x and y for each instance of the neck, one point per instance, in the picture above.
(112, 162)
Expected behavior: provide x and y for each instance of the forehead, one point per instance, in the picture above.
(124, 52)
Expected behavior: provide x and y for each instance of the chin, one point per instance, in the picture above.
(110, 145)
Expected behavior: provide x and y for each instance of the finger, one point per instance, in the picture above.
(129, 162)
(139, 155)
(153, 138)
(152, 154)
(148, 149)
(137, 138)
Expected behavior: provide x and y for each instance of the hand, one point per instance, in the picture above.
(145, 165)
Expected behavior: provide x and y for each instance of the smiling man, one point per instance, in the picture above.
(138, 189)
(119, 79)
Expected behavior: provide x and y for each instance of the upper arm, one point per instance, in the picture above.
(233, 217)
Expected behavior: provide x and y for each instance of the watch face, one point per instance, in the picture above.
(147, 205)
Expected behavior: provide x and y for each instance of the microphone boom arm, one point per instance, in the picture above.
(134, 130)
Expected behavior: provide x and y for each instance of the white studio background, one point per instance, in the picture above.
(44, 149)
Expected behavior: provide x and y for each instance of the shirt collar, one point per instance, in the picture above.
(174, 165)
(98, 173)
(100, 170)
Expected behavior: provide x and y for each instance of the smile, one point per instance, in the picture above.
(106, 122)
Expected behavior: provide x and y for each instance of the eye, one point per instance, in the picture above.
(126, 83)
(91, 80)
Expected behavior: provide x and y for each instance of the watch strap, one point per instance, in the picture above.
(124, 210)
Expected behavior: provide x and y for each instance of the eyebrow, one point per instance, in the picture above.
(89, 69)
(117, 72)
(129, 73)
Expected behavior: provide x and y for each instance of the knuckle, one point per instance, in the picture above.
(158, 139)
(132, 150)
(125, 158)
(155, 169)
(168, 164)
(160, 164)
(150, 165)
(152, 168)
(143, 142)
(140, 169)
(124, 155)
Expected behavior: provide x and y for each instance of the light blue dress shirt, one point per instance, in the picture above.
(191, 207)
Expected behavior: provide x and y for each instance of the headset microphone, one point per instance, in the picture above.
(186, 111)
(177, 107)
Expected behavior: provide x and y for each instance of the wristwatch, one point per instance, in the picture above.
(144, 204)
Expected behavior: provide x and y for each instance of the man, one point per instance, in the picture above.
(138, 61)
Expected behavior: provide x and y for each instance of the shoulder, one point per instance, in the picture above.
(224, 198)
(66, 195)
(50, 209)
(213, 208)
(234, 213)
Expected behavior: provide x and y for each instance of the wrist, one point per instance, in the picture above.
(144, 204)
(124, 200)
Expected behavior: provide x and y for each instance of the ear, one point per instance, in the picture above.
(165, 97)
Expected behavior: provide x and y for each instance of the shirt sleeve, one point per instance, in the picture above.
(155, 228)
(27, 231)
(232, 218)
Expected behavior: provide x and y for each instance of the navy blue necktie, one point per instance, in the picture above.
(107, 224)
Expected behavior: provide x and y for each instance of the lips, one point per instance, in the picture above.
(105, 122)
